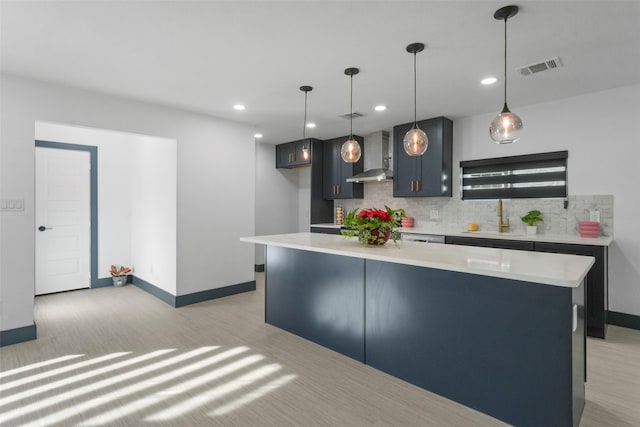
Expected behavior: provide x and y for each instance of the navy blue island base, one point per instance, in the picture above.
(511, 349)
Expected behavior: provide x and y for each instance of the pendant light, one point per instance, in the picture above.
(507, 126)
(415, 141)
(305, 148)
(351, 151)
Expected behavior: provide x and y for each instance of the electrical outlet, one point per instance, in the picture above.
(594, 216)
(433, 214)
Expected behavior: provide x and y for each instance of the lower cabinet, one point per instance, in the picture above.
(325, 230)
(520, 245)
(597, 281)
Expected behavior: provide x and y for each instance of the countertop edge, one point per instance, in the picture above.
(418, 254)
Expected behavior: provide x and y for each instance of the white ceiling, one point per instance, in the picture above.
(206, 56)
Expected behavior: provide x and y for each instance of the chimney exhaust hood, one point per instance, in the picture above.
(376, 159)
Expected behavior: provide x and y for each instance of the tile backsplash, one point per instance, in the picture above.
(454, 214)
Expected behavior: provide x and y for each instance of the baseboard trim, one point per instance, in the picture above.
(259, 268)
(210, 294)
(103, 282)
(18, 335)
(623, 319)
(154, 290)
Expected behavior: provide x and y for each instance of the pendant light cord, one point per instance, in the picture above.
(304, 125)
(351, 110)
(415, 93)
(505, 61)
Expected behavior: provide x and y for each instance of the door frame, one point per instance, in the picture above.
(93, 199)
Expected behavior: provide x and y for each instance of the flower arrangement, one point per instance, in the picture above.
(118, 272)
(373, 226)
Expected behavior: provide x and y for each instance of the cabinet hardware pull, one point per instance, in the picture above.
(412, 186)
(417, 185)
(338, 186)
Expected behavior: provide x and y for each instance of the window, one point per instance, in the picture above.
(516, 177)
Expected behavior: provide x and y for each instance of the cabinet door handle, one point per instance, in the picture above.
(338, 186)
(412, 186)
(417, 185)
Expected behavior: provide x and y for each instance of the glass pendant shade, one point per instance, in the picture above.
(350, 151)
(506, 127)
(415, 142)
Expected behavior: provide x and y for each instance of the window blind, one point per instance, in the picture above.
(515, 177)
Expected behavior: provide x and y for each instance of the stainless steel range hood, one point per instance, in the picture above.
(376, 159)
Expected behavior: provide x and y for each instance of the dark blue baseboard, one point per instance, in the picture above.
(182, 300)
(259, 268)
(154, 290)
(226, 291)
(108, 281)
(623, 319)
(17, 335)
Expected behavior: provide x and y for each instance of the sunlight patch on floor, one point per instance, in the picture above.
(80, 377)
(89, 388)
(145, 402)
(39, 365)
(154, 390)
(213, 394)
(253, 395)
(49, 374)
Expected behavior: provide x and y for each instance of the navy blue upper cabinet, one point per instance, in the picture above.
(336, 171)
(428, 175)
(294, 154)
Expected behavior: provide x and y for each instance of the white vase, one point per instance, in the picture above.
(531, 229)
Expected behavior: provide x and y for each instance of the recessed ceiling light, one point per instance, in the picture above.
(311, 125)
(488, 81)
(380, 107)
(257, 135)
(239, 107)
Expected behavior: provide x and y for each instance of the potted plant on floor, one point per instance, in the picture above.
(119, 275)
(530, 219)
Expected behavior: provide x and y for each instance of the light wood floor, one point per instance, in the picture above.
(137, 361)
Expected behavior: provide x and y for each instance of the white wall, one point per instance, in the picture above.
(114, 187)
(210, 152)
(136, 199)
(154, 211)
(276, 206)
(600, 131)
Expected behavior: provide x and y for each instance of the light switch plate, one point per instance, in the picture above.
(433, 214)
(12, 205)
(594, 216)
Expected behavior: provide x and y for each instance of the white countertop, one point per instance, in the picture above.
(574, 239)
(538, 267)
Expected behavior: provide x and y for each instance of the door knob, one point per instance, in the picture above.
(42, 228)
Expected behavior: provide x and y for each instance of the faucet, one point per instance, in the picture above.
(502, 226)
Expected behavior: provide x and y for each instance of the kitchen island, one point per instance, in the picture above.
(500, 331)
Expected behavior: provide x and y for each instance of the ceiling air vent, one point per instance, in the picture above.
(353, 115)
(549, 64)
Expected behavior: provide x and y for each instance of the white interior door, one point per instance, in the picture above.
(63, 220)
